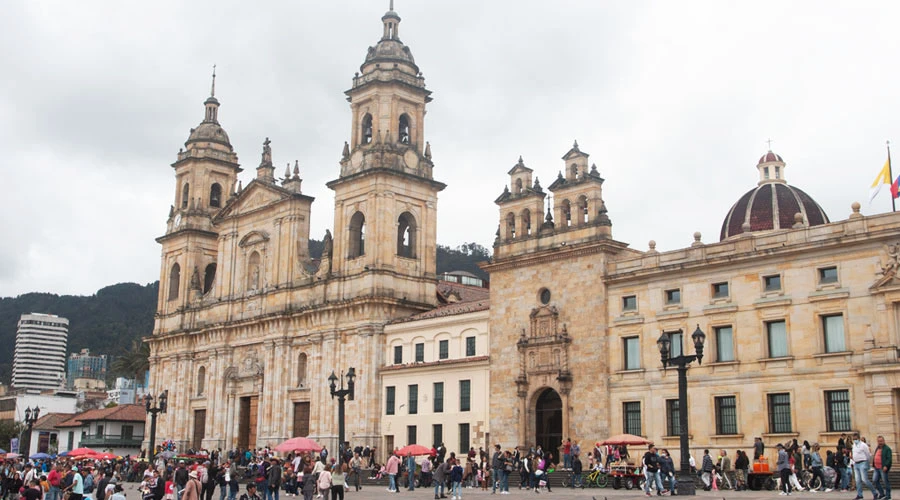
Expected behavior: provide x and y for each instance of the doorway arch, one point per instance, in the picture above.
(548, 423)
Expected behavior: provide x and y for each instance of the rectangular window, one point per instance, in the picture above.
(465, 395)
(437, 434)
(673, 296)
(390, 394)
(411, 434)
(631, 411)
(629, 303)
(438, 397)
(464, 437)
(413, 403)
(677, 346)
(470, 346)
(724, 343)
(780, 413)
(778, 341)
(828, 275)
(720, 290)
(833, 327)
(772, 283)
(673, 418)
(837, 410)
(726, 415)
(420, 353)
(443, 349)
(398, 354)
(632, 347)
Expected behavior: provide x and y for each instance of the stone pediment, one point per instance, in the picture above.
(257, 195)
(254, 238)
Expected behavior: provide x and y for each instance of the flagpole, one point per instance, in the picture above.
(891, 173)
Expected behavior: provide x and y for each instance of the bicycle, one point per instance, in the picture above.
(596, 479)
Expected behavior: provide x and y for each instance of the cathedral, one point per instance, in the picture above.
(799, 313)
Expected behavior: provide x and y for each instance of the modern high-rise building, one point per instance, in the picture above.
(86, 365)
(40, 358)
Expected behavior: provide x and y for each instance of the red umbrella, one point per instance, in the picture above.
(298, 444)
(106, 456)
(627, 440)
(77, 452)
(413, 449)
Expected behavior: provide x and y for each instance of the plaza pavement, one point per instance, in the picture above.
(379, 492)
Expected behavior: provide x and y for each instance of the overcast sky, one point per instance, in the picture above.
(673, 99)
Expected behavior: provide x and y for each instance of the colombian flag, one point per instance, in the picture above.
(895, 188)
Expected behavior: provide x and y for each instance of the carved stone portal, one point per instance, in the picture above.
(544, 351)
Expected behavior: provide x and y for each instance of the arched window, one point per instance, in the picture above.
(357, 245)
(583, 208)
(201, 381)
(574, 170)
(510, 226)
(185, 195)
(174, 281)
(526, 222)
(215, 195)
(406, 235)
(518, 186)
(301, 370)
(366, 129)
(209, 277)
(253, 271)
(404, 129)
(567, 213)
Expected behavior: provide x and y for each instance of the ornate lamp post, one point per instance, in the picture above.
(341, 394)
(162, 404)
(31, 416)
(685, 478)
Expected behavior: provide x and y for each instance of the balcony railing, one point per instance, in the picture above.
(111, 441)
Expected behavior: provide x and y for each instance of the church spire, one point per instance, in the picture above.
(391, 24)
(212, 104)
(212, 91)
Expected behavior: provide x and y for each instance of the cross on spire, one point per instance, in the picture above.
(769, 142)
(212, 91)
(392, 5)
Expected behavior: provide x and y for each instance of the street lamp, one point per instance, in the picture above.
(342, 393)
(31, 416)
(685, 478)
(162, 404)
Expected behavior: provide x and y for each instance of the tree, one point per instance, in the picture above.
(134, 362)
(9, 429)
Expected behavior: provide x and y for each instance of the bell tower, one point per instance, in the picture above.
(205, 176)
(385, 222)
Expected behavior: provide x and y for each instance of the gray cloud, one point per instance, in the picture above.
(673, 99)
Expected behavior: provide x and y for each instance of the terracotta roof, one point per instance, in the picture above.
(121, 413)
(52, 420)
(454, 299)
(771, 206)
(770, 156)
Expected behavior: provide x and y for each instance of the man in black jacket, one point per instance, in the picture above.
(576, 471)
(181, 479)
(497, 465)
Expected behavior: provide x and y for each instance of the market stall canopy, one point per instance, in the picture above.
(298, 444)
(627, 440)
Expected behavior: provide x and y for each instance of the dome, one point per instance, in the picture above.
(390, 50)
(209, 132)
(772, 205)
(770, 156)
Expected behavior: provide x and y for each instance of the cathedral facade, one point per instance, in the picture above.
(801, 314)
(248, 327)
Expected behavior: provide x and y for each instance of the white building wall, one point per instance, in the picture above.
(39, 361)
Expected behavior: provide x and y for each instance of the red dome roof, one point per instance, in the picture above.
(770, 156)
(771, 206)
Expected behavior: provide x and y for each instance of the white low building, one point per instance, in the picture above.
(435, 377)
(118, 430)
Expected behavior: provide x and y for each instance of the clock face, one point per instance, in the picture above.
(177, 220)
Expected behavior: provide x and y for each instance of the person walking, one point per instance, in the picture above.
(706, 468)
(861, 454)
(391, 468)
(439, 478)
(783, 467)
(667, 470)
(651, 471)
(273, 478)
(816, 467)
(741, 466)
(497, 465)
(882, 463)
(411, 471)
(193, 489)
(338, 480)
(725, 468)
(456, 475)
(576, 471)
(323, 483)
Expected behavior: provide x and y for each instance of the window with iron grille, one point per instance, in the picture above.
(420, 353)
(673, 418)
(413, 403)
(465, 395)
(631, 411)
(726, 415)
(780, 413)
(438, 397)
(390, 394)
(837, 410)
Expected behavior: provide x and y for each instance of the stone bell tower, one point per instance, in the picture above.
(205, 176)
(385, 197)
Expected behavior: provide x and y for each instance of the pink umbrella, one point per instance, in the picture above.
(413, 449)
(298, 444)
